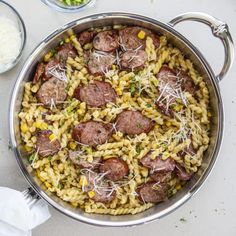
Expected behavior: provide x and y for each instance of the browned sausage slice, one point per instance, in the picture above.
(50, 66)
(85, 37)
(115, 168)
(39, 72)
(65, 51)
(100, 62)
(182, 174)
(103, 192)
(129, 39)
(157, 164)
(52, 92)
(168, 87)
(133, 122)
(133, 60)
(96, 94)
(44, 145)
(92, 132)
(106, 41)
(152, 192)
(187, 83)
(104, 196)
(75, 157)
(161, 176)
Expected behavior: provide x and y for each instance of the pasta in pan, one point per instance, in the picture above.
(115, 120)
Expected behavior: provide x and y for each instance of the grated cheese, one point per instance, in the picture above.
(10, 41)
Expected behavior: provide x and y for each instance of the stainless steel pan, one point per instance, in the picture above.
(219, 29)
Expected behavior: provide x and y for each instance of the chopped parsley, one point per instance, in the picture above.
(148, 105)
(31, 157)
(73, 2)
(132, 89)
(182, 220)
(138, 148)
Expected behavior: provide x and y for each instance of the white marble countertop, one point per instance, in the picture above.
(212, 211)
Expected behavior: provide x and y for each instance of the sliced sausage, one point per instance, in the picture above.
(164, 108)
(152, 192)
(45, 146)
(167, 87)
(75, 157)
(104, 196)
(168, 81)
(52, 92)
(133, 60)
(182, 174)
(39, 72)
(96, 94)
(115, 168)
(85, 37)
(187, 83)
(171, 85)
(129, 39)
(157, 164)
(92, 133)
(99, 62)
(133, 122)
(50, 66)
(65, 51)
(161, 176)
(106, 41)
(103, 192)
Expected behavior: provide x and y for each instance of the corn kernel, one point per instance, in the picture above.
(47, 56)
(24, 127)
(107, 157)
(113, 67)
(72, 37)
(43, 126)
(141, 34)
(119, 91)
(178, 187)
(209, 114)
(37, 124)
(74, 204)
(157, 126)
(168, 123)
(48, 185)
(72, 145)
(27, 148)
(52, 137)
(89, 150)
(83, 181)
(178, 107)
(67, 40)
(91, 194)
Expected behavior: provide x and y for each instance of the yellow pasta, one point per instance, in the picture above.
(181, 137)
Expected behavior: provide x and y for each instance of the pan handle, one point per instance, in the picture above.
(219, 29)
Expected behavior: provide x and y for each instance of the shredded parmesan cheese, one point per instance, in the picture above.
(10, 42)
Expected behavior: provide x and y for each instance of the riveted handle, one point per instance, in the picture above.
(219, 29)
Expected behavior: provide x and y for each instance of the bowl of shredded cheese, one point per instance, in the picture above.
(13, 37)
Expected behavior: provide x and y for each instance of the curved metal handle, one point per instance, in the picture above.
(219, 29)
